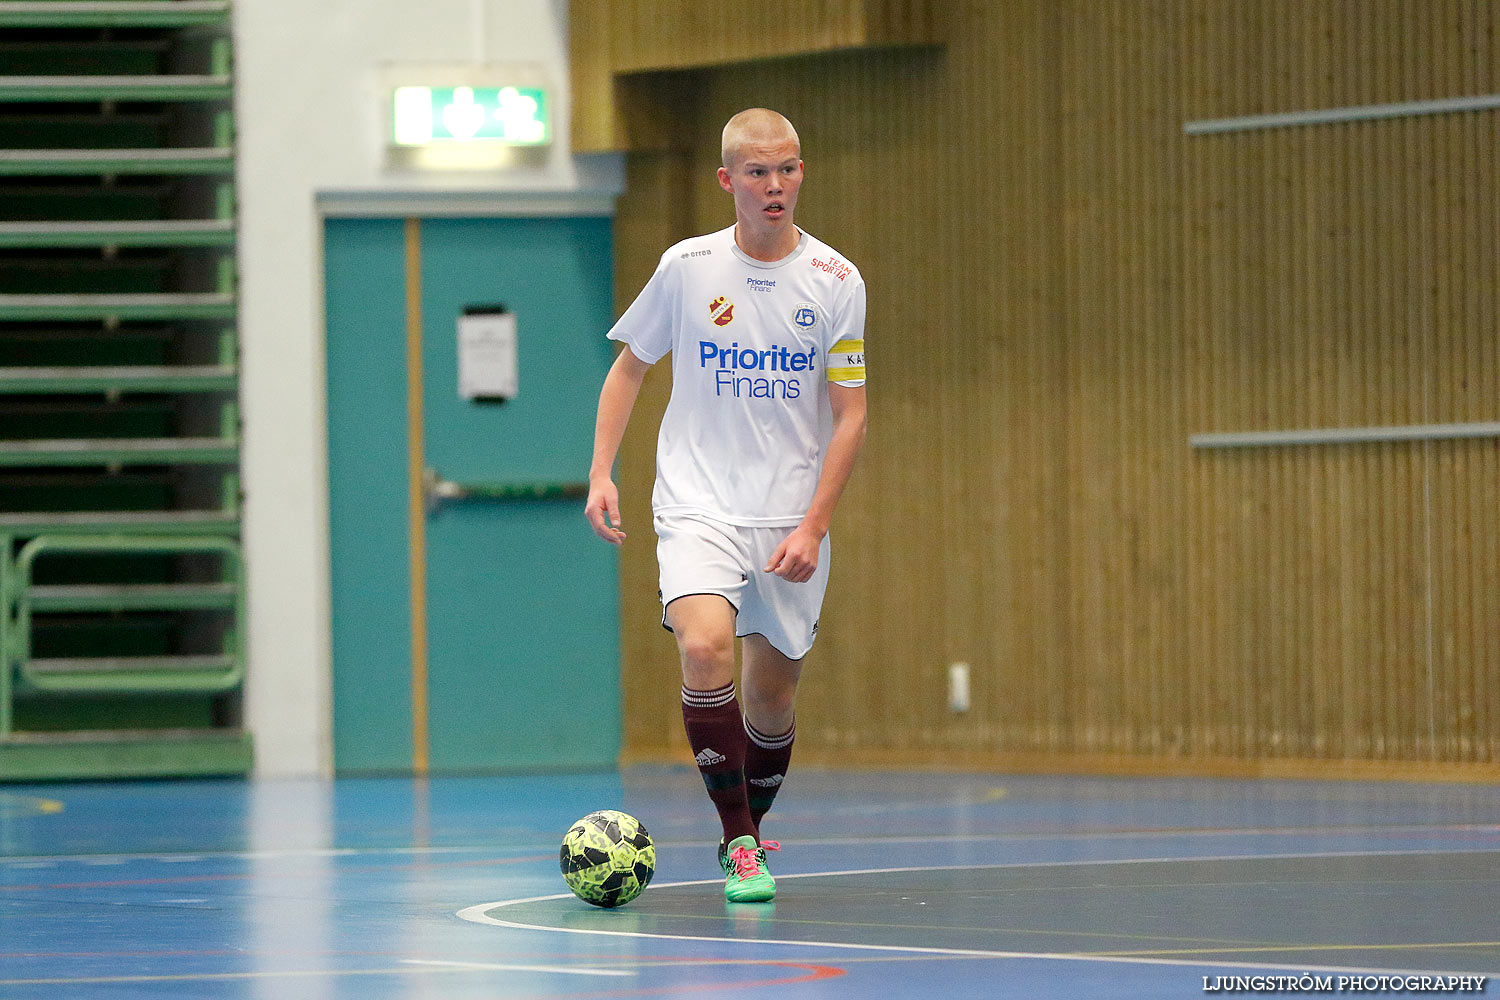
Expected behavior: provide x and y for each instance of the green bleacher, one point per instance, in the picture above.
(122, 618)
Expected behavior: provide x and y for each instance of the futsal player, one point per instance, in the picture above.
(765, 325)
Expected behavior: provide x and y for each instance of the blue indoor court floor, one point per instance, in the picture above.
(890, 885)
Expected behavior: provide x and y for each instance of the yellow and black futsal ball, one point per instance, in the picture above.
(608, 858)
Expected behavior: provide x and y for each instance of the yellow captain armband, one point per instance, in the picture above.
(846, 361)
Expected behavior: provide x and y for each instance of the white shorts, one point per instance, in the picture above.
(698, 555)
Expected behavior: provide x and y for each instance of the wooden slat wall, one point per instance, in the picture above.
(1063, 287)
(674, 34)
(1347, 279)
(594, 117)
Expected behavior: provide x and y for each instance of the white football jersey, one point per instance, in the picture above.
(754, 346)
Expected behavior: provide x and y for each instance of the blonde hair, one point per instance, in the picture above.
(751, 125)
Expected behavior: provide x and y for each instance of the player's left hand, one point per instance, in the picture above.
(796, 558)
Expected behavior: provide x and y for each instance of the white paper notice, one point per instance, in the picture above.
(487, 356)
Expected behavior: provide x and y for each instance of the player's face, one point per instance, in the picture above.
(764, 180)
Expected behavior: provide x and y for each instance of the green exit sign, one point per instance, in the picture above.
(515, 116)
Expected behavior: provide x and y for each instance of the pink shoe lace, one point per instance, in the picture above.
(746, 863)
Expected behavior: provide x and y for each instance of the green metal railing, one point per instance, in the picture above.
(221, 521)
(118, 379)
(29, 524)
(39, 89)
(214, 672)
(113, 13)
(108, 308)
(54, 162)
(132, 596)
(143, 560)
(118, 451)
(115, 308)
(90, 235)
(124, 451)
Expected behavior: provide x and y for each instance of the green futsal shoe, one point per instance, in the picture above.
(746, 877)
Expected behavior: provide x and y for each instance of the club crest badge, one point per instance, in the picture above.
(721, 311)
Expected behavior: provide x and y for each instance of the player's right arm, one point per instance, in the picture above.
(616, 400)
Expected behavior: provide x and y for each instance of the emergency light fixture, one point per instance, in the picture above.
(471, 116)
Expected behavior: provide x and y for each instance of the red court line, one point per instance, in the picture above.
(118, 954)
(487, 956)
(814, 974)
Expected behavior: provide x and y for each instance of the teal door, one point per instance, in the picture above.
(477, 633)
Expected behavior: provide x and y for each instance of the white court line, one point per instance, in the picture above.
(490, 967)
(1162, 834)
(516, 851)
(276, 854)
(480, 914)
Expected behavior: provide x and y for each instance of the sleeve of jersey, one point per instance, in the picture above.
(846, 357)
(647, 325)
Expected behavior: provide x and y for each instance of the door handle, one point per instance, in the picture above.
(437, 491)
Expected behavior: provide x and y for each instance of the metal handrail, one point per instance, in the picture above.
(1345, 435)
(436, 490)
(1329, 116)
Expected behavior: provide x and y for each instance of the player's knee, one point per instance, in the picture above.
(769, 703)
(705, 653)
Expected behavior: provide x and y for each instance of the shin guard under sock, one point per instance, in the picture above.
(717, 735)
(766, 762)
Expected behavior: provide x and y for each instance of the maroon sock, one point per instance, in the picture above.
(717, 736)
(766, 762)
